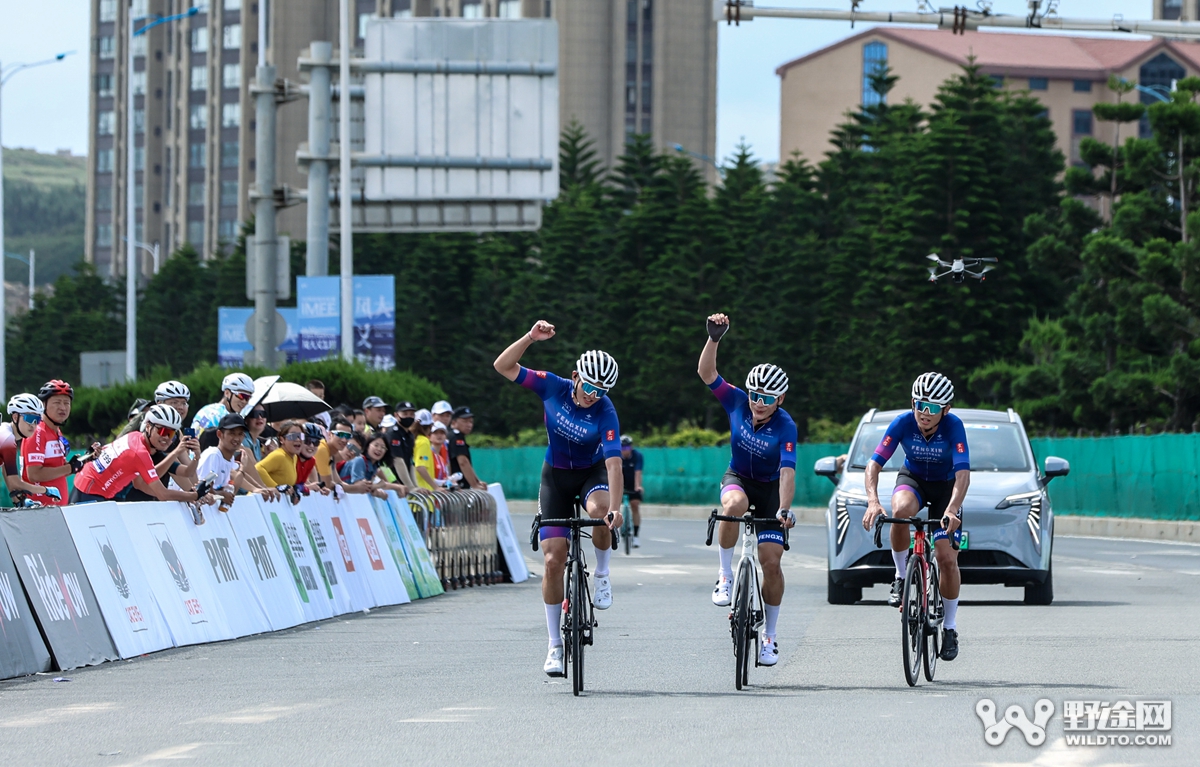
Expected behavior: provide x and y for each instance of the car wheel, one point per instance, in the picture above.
(1042, 593)
(843, 595)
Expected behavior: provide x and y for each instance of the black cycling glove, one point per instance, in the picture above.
(77, 462)
(716, 332)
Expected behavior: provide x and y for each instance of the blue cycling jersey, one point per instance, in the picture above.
(579, 437)
(935, 459)
(760, 453)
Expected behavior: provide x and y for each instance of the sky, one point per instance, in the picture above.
(46, 108)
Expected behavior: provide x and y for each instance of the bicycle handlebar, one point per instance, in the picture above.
(744, 519)
(574, 524)
(916, 522)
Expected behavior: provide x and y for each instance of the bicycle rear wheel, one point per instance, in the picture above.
(740, 618)
(579, 603)
(933, 623)
(912, 620)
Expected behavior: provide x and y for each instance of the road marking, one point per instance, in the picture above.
(256, 714)
(57, 714)
(170, 752)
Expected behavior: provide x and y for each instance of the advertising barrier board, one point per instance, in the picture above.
(316, 598)
(22, 650)
(329, 522)
(265, 561)
(421, 564)
(368, 544)
(227, 572)
(509, 546)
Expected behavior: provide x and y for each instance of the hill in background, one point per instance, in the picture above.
(45, 200)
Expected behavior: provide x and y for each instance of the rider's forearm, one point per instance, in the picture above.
(616, 483)
(508, 364)
(637, 480)
(41, 473)
(962, 481)
(787, 487)
(708, 362)
(871, 481)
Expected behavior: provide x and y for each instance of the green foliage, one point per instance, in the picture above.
(532, 437)
(824, 430)
(45, 199)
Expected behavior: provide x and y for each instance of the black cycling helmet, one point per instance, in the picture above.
(626, 440)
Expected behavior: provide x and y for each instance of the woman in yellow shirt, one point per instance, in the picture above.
(279, 466)
(424, 465)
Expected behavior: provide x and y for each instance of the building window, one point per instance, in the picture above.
(472, 9)
(199, 39)
(548, 9)
(139, 158)
(104, 197)
(104, 86)
(107, 47)
(139, 45)
(231, 76)
(1038, 83)
(108, 10)
(139, 121)
(1083, 86)
(104, 123)
(104, 235)
(231, 115)
(510, 9)
(1081, 122)
(874, 62)
(139, 83)
(138, 9)
(197, 117)
(997, 81)
(196, 194)
(1157, 74)
(229, 193)
(195, 234)
(139, 192)
(1172, 9)
(104, 160)
(233, 5)
(229, 154)
(363, 20)
(227, 230)
(196, 155)
(200, 78)
(232, 39)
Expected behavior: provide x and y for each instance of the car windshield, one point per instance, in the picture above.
(993, 447)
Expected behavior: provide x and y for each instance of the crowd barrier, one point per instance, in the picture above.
(88, 583)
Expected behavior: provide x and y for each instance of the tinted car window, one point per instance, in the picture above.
(993, 446)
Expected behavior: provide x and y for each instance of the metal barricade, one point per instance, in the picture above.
(460, 532)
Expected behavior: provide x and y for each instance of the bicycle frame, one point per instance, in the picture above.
(927, 618)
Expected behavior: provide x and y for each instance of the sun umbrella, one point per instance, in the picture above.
(285, 400)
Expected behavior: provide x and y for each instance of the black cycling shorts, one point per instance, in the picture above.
(764, 503)
(560, 488)
(935, 495)
(633, 495)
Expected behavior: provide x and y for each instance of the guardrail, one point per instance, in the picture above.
(459, 527)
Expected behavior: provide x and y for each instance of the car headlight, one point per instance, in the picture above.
(1020, 499)
(851, 498)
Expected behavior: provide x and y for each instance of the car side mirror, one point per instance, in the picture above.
(827, 467)
(1056, 467)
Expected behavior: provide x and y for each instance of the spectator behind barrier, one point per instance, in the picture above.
(226, 460)
(359, 419)
(313, 436)
(374, 409)
(368, 469)
(400, 442)
(173, 393)
(44, 454)
(279, 467)
(427, 458)
(236, 391)
(256, 424)
(462, 424)
(316, 387)
(25, 413)
(442, 413)
(327, 458)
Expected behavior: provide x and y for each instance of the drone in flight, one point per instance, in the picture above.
(960, 269)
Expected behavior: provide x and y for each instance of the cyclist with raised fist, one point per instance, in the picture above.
(583, 460)
(762, 472)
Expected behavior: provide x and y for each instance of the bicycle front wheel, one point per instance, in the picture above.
(912, 620)
(579, 605)
(627, 528)
(933, 623)
(740, 618)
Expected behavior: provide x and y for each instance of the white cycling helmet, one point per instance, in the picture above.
(597, 368)
(767, 378)
(238, 382)
(162, 415)
(26, 404)
(933, 387)
(170, 390)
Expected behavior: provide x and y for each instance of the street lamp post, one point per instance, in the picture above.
(4, 76)
(30, 262)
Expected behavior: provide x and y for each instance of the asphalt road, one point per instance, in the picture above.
(458, 680)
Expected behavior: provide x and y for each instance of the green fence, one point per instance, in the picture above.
(1152, 477)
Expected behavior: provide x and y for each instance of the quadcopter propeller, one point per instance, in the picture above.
(989, 260)
(934, 257)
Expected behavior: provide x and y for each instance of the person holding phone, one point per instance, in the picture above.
(226, 460)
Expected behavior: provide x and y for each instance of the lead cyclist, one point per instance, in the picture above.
(762, 471)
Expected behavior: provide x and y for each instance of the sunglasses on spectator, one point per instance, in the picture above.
(31, 418)
(932, 408)
(341, 434)
(763, 399)
(592, 391)
(259, 414)
(293, 437)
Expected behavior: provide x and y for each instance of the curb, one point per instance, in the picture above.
(1180, 531)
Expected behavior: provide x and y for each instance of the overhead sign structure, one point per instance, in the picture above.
(233, 342)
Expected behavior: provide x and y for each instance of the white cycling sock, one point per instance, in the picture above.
(951, 606)
(901, 560)
(726, 561)
(771, 613)
(602, 557)
(554, 623)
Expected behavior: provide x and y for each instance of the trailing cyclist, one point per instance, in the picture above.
(936, 473)
(762, 472)
(631, 470)
(583, 460)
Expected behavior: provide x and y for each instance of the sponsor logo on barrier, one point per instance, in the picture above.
(133, 613)
(8, 600)
(1124, 723)
(217, 550)
(364, 527)
(343, 544)
(318, 539)
(289, 541)
(261, 554)
(175, 567)
(60, 593)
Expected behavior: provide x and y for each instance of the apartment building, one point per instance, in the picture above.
(626, 66)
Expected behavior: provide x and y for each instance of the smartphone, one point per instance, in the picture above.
(189, 432)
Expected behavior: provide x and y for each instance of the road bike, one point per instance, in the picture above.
(746, 609)
(578, 616)
(921, 610)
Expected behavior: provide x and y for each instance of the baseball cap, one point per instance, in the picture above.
(463, 412)
(404, 405)
(373, 402)
(442, 406)
(231, 421)
(439, 426)
(388, 422)
(424, 417)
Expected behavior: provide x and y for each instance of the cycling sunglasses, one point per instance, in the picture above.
(341, 434)
(592, 391)
(293, 437)
(167, 432)
(932, 408)
(765, 399)
(31, 418)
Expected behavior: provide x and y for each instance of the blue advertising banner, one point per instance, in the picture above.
(232, 343)
(318, 307)
(291, 343)
(375, 320)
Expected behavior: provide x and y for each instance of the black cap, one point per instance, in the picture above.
(462, 412)
(404, 405)
(231, 421)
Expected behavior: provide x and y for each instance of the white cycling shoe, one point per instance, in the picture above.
(636, 543)
(721, 594)
(554, 662)
(768, 652)
(602, 600)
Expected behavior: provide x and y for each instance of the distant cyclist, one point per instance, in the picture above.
(762, 471)
(583, 460)
(631, 471)
(236, 391)
(25, 413)
(936, 473)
